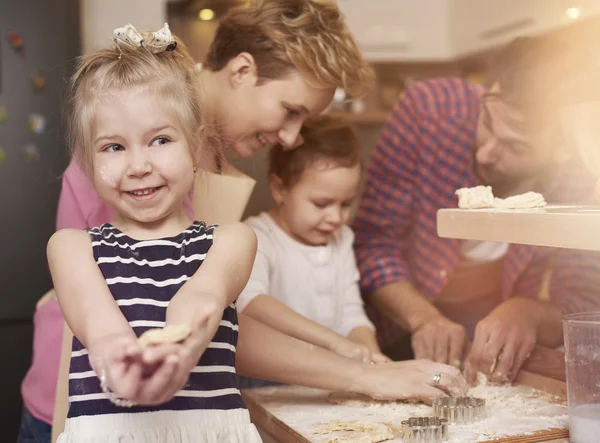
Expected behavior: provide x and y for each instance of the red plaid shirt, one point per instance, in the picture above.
(425, 153)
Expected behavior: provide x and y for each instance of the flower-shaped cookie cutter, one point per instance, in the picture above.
(424, 430)
(459, 410)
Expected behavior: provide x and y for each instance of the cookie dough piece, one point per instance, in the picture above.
(369, 432)
(475, 198)
(522, 201)
(168, 334)
(361, 400)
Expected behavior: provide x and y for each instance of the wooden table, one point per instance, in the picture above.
(283, 430)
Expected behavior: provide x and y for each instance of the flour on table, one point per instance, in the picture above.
(368, 432)
(511, 411)
(481, 197)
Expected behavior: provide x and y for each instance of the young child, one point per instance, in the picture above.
(135, 123)
(304, 281)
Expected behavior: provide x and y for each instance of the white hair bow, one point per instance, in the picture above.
(157, 41)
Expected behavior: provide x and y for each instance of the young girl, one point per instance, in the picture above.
(135, 125)
(305, 281)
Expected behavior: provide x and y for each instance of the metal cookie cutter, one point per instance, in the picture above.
(459, 410)
(424, 430)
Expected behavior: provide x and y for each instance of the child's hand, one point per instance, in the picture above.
(378, 357)
(365, 336)
(130, 373)
(204, 319)
(349, 349)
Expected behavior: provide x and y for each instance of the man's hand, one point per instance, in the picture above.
(439, 339)
(503, 340)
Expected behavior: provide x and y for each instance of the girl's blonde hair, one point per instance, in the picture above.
(286, 35)
(171, 74)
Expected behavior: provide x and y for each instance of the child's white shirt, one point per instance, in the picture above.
(319, 282)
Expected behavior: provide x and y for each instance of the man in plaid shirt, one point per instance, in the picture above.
(445, 134)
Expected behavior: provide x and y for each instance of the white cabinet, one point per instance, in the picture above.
(408, 30)
(438, 30)
(477, 25)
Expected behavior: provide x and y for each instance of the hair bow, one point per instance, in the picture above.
(157, 41)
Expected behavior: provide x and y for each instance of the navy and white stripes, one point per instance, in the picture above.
(143, 276)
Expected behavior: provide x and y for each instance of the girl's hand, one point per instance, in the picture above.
(204, 317)
(129, 373)
(355, 351)
(378, 357)
(365, 336)
(412, 379)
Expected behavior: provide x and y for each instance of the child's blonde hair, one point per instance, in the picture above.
(171, 74)
(285, 35)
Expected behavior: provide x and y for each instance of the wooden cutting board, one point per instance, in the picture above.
(264, 406)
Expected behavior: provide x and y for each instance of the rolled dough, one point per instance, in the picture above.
(369, 432)
(361, 400)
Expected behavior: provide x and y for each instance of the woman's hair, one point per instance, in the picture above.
(286, 35)
(325, 139)
(170, 74)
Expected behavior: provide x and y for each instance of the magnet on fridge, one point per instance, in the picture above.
(16, 42)
(39, 82)
(36, 123)
(2, 155)
(3, 113)
(32, 153)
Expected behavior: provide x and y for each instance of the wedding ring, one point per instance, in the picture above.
(436, 379)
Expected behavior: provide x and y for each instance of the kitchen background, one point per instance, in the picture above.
(405, 40)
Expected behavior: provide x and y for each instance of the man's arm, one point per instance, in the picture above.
(383, 219)
(383, 227)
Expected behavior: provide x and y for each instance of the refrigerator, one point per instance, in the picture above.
(39, 40)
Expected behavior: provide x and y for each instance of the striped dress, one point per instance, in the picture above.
(143, 276)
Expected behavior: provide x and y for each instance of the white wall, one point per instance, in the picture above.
(100, 17)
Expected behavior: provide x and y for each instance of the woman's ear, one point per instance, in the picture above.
(242, 69)
(277, 188)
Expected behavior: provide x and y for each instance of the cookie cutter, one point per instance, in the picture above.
(425, 430)
(459, 410)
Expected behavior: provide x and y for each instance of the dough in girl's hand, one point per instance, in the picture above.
(168, 334)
